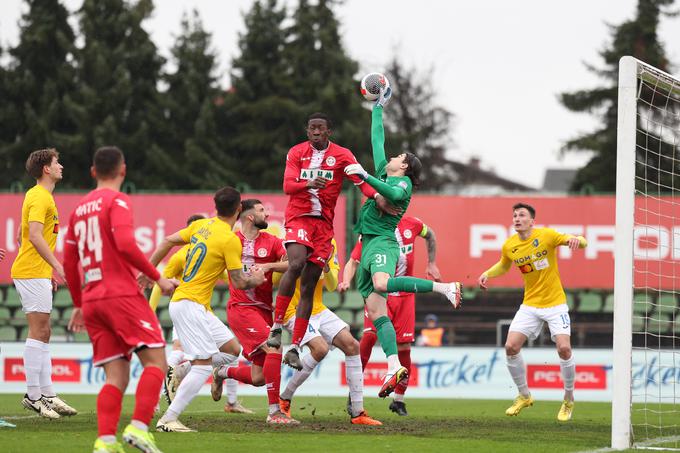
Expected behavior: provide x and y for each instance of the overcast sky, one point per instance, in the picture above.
(486, 55)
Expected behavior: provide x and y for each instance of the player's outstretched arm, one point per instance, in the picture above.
(165, 246)
(498, 269)
(575, 242)
(348, 274)
(378, 140)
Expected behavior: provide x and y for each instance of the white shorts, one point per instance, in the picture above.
(35, 294)
(325, 324)
(529, 321)
(200, 332)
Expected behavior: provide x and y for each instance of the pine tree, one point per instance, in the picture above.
(118, 73)
(36, 111)
(637, 37)
(418, 125)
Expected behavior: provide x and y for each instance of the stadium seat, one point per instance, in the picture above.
(12, 297)
(353, 300)
(639, 322)
(79, 337)
(221, 314)
(331, 300)
(346, 315)
(217, 300)
(589, 302)
(8, 333)
(608, 303)
(164, 317)
(66, 316)
(62, 298)
(5, 315)
(359, 319)
(55, 315)
(58, 334)
(667, 303)
(570, 300)
(643, 303)
(659, 323)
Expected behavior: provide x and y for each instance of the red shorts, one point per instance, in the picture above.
(250, 324)
(118, 327)
(402, 312)
(315, 233)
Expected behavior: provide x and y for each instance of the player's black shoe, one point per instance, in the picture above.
(399, 408)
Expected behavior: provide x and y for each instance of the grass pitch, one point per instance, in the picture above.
(432, 425)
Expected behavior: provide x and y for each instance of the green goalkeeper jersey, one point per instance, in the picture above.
(396, 189)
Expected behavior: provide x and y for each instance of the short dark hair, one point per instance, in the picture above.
(320, 116)
(38, 159)
(529, 208)
(227, 201)
(249, 204)
(415, 167)
(107, 160)
(194, 217)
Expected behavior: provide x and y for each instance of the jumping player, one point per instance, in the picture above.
(380, 253)
(118, 320)
(313, 181)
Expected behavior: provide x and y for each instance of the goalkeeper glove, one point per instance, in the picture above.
(356, 169)
(384, 98)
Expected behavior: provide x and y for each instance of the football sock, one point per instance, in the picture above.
(187, 390)
(175, 358)
(409, 285)
(405, 360)
(242, 373)
(568, 369)
(223, 358)
(272, 376)
(518, 372)
(355, 382)
(232, 391)
(109, 404)
(46, 372)
(366, 346)
(386, 335)
(147, 394)
(299, 330)
(282, 303)
(32, 365)
(182, 370)
(308, 365)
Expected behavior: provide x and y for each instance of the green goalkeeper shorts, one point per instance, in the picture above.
(378, 254)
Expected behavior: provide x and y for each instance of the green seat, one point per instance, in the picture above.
(570, 300)
(331, 300)
(221, 315)
(589, 302)
(608, 303)
(469, 294)
(55, 315)
(642, 303)
(353, 300)
(8, 333)
(217, 300)
(23, 333)
(164, 316)
(12, 298)
(667, 303)
(58, 334)
(62, 299)
(66, 315)
(346, 315)
(5, 314)
(19, 319)
(80, 337)
(639, 323)
(359, 319)
(660, 323)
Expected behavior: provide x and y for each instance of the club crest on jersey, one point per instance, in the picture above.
(403, 185)
(406, 249)
(310, 173)
(535, 243)
(408, 234)
(330, 161)
(262, 252)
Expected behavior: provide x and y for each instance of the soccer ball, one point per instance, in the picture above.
(371, 85)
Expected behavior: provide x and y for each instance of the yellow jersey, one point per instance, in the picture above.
(39, 207)
(328, 279)
(536, 259)
(213, 247)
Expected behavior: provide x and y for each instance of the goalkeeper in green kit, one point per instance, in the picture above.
(380, 253)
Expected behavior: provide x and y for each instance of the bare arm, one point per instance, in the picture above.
(239, 280)
(348, 274)
(35, 237)
(19, 235)
(432, 269)
(164, 248)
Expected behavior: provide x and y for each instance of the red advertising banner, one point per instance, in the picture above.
(549, 377)
(155, 216)
(63, 370)
(375, 372)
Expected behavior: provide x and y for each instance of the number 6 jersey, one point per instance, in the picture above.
(101, 237)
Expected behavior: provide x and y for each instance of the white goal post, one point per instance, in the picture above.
(645, 405)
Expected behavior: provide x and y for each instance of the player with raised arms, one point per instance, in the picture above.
(207, 341)
(313, 181)
(532, 250)
(380, 254)
(119, 321)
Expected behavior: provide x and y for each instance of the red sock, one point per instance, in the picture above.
(282, 303)
(405, 360)
(366, 347)
(299, 330)
(242, 373)
(147, 394)
(272, 376)
(109, 404)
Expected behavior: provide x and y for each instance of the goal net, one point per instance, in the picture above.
(646, 374)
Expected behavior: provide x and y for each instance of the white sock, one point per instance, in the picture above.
(393, 363)
(175, 358)
(439, 287)
(46, 372)
(232, 390)
(274, 408)
(399, 397)
(568, 368)
(222, 358)
(187, 390)
(355, 382)
(139, 425)
(277, 325)
(308, 365)
(518, 372)
(109, 439)
(182, 370)
(32, 365)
